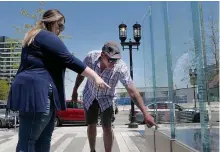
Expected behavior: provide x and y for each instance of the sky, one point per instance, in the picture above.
(91, 24)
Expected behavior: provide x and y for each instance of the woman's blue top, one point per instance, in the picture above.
(42, 63)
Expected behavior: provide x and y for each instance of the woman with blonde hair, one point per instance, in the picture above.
(38, 88)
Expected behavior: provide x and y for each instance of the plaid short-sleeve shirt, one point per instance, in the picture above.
(105, 96)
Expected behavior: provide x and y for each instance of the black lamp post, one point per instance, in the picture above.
(193, 82)
(137, 37)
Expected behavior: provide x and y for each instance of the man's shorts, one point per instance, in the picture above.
(92, 115)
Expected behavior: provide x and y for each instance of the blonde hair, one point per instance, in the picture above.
(48, 18)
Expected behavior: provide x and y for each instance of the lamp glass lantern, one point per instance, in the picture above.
(122, 32)
(137, 32)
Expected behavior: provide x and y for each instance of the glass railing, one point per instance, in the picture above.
(184, 36)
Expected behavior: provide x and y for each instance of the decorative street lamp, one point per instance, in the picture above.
(193, 82)
(122, 32)
(137, 37)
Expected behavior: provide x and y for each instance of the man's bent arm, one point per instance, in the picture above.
(136, 98)
(79, 80)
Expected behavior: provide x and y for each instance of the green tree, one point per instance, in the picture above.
(34, 18)
(4, 89)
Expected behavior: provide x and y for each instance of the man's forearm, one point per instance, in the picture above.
(79, 80)
(136, 98)
(138, 101)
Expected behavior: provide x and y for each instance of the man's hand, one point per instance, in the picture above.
(149, 120)
(75, 97)
(138, 101)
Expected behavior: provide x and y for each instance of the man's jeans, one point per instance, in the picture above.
(35, 130)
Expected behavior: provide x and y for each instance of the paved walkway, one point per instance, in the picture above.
(74, 139)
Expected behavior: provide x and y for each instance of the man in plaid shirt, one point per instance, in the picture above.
(111, 68)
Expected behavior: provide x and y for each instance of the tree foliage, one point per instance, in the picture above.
(4, 89)
(34, 18)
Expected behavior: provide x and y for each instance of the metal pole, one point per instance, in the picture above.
(194, 93)
(132, 124)
(153, 60)
(169, 69)
(196, 18)
(15, 125)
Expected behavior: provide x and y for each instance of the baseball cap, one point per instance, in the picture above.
(112, 50)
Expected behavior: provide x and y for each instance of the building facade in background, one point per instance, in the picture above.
(10, 51)
(184, 95)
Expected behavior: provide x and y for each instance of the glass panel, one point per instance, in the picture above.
(151, 106)
(179, 37)
(201, 82)
(123, 32)
(162, 106)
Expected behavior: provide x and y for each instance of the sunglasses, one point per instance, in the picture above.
(110, 60)
(61, 27)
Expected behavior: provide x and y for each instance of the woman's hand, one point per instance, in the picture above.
(90, 74)
(100, 83)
